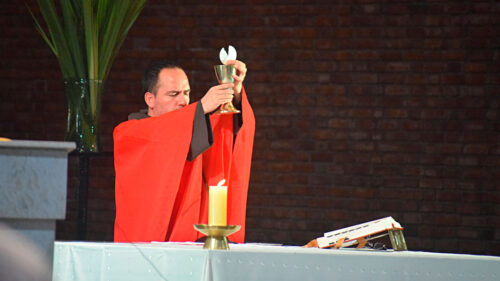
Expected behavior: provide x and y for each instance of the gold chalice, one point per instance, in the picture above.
(225, 74)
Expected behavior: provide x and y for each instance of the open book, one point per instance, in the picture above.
(361, 233)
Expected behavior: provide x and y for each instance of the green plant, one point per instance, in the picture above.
(86, 40)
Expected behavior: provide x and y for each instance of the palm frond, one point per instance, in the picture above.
(42, 32)
(72, 34)
(57, 37)
(88, 37)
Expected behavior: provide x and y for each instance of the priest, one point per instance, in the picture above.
(167, 156)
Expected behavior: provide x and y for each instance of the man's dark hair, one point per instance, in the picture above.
(150, 78)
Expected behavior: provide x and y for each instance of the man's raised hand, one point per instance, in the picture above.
(216, 96)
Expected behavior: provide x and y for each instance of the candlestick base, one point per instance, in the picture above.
(216, 235)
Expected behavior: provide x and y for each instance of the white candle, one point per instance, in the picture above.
(217, 205)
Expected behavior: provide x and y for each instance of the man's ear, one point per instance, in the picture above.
(149, 98)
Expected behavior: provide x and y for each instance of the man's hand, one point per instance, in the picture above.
(241, 72)
(216, 96)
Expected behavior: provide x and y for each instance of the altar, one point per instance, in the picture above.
(33, 184)
(189, 261)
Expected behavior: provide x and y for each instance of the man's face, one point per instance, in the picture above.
(172, 92)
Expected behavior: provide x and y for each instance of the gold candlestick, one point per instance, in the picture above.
(216, 235)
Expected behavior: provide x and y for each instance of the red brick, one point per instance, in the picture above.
(476, 149)
(471, 246)
(339, 123)
(396, 90)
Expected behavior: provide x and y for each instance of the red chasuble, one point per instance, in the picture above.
(159, 194)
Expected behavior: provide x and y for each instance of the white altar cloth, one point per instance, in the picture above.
(189, 261)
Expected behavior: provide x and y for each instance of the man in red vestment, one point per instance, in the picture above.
(168, 155)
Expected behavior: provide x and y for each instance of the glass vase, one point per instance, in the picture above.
(84, 113)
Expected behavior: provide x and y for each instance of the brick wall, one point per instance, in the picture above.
(364, 108)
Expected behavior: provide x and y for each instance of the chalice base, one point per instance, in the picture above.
(216, 235)
(227, 108)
